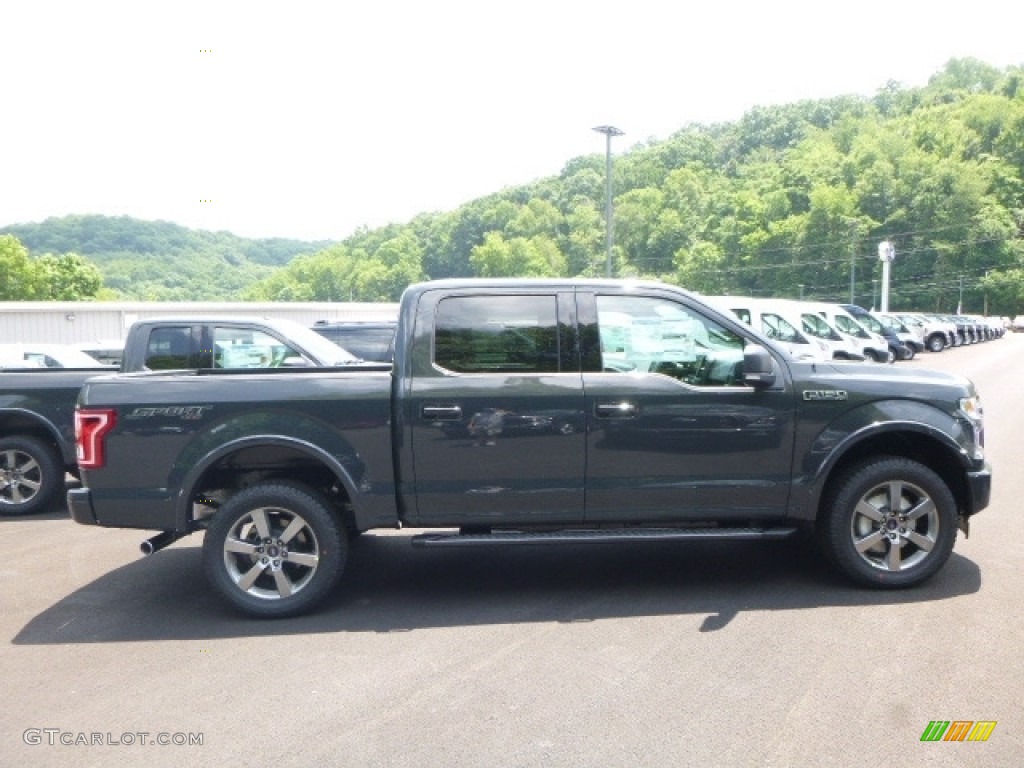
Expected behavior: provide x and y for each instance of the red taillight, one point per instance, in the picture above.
(91, 425)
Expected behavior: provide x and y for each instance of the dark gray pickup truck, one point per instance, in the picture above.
(37, 405)
(536, 412)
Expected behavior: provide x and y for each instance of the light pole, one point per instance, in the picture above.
(608, 131)
(886, 253)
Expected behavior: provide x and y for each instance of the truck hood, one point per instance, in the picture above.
(884, 380)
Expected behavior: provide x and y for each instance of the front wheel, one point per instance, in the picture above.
(31, 475)
(888, 522)
(274, 550)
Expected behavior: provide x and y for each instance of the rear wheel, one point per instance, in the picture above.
(888, 522)
(31, 475)
(274, 550)
(936, 343)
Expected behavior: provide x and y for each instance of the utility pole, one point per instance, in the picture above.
(853, 261)
(608, 131)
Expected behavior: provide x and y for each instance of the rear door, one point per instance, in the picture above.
(494, 408)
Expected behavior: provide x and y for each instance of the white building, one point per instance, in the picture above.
(75, 322)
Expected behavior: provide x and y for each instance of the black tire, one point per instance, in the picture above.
(274, 550)
(31, 475)
(936, 343)
(880, 547)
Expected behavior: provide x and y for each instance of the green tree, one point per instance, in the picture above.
(68, 277)
(518, 257)
(1004, 292)
(18, 277)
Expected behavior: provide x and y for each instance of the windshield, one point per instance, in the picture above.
(871, 323)
(816, 325)
(849, 326)
(324, 350)
(776, 327)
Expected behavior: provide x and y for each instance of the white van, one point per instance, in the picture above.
(815, 325)
(762, 316)
(871, 345)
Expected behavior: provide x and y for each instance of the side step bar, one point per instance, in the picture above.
(574, 536)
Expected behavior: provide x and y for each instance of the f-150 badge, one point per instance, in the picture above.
(825, 394)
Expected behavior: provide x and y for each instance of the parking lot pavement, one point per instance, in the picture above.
(730, 653)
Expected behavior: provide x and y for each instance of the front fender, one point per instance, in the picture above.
(897, 427)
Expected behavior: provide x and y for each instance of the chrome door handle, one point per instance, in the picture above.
(623, 410)
(441, 412)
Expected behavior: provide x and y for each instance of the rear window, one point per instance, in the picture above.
(169, 348)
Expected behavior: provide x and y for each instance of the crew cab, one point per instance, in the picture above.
(529, 412)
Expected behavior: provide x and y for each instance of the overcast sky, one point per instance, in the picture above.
(309, 119)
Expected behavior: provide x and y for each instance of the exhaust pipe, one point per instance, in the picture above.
(158, 542)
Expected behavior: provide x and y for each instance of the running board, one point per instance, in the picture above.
(597, 535)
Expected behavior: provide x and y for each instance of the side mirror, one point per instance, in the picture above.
(758, 367)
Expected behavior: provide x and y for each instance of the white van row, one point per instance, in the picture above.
(809, 330)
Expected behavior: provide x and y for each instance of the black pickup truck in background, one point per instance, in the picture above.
(37, 446)
(528, 412)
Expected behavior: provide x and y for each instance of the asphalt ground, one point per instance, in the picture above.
(646, 654)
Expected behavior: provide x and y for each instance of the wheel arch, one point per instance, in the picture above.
(259, 458)
(18, 422)
(918, 442)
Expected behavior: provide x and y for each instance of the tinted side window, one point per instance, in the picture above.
(651, 335)
(497, 334)
(169, 348)
(367, 343)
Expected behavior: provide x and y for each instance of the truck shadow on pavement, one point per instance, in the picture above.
(391, 587)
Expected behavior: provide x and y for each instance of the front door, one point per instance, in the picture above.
(675, 434)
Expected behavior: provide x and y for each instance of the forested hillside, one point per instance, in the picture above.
(789, 200)
(158, 260)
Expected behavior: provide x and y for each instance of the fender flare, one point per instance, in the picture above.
(817, 481)
(52, 431)
(186, 487)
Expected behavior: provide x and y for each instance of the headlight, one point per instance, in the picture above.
(971, 408)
